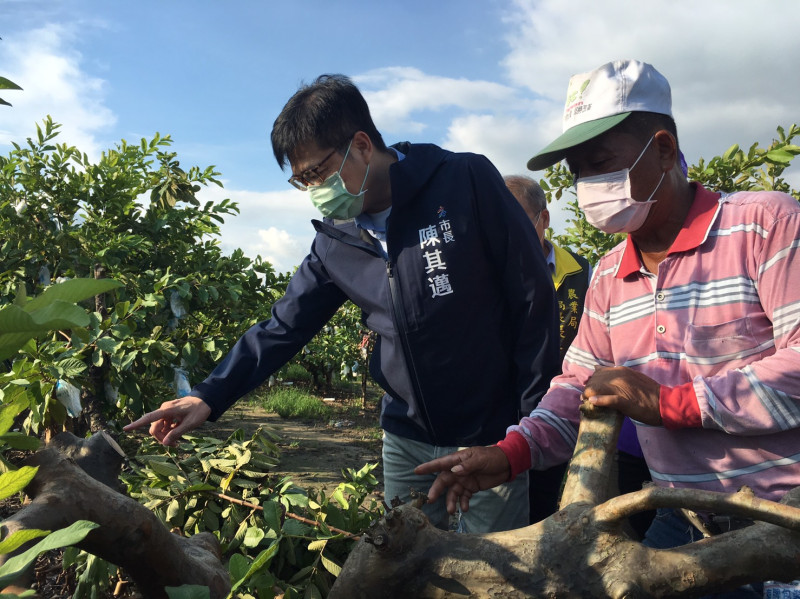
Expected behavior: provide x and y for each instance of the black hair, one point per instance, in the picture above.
(643, 125)
(327, 112)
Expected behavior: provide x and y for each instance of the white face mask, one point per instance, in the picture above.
(607, 203)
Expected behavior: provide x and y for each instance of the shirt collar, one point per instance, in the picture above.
(377, 222)
(693, 233)
(551, 256)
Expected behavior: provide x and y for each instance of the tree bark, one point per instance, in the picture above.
(92, 418)
(130, 535)
(582, 550)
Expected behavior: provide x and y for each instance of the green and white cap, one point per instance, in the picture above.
(602, 98)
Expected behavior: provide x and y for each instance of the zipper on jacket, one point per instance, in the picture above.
(402, 327)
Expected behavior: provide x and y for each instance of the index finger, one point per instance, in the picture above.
(443, 464)
(148, 418)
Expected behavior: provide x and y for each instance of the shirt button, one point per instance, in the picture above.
(661, 328)
(660, 296)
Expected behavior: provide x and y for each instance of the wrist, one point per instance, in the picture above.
(517, 452)
(679, 407)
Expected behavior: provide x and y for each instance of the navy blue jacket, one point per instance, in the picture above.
(463, 305)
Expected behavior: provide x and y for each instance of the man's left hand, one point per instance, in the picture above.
(632, 393)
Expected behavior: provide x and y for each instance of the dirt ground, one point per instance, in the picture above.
(313, 453)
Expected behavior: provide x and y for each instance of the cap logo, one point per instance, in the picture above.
(575, 104)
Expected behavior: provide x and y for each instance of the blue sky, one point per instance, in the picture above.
(487, 76)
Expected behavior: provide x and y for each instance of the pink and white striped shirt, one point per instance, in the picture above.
(718, 326)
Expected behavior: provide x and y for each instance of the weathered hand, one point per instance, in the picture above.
(634, 394)
(464, 473)
(173, 419)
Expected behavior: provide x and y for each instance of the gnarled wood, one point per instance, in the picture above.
(130, 535)
(582, 550)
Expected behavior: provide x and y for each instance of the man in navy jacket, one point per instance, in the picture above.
(444, 265)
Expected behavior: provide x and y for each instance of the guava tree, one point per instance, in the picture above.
(132, 216)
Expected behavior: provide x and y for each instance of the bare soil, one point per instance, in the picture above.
(313, 453)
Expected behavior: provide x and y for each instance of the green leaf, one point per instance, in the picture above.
(190, 354)
(200, 487)
(238, 566)
(56, 315)
(10, 409)
(156, 493)
(293, 528)
(8, 84)
(108, 344)
(210, 519)
(261, 561)
(779, 156)
(20, 441)
(72, 291)
(272, 515)
(19, 538)
(16, 480)
(71, 535)
(29, 592)
(163, 468)
(730, 152)
(339, 497)
(175, 512)
(253, 537)
(70, 367)
(188, 591)
(331, 566)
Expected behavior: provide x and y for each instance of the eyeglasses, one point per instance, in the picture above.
(310, 176)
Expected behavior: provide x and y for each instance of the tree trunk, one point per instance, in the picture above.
(130, 535)
(92, 418)
(582, 550)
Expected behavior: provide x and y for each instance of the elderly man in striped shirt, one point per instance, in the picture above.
(691, 325)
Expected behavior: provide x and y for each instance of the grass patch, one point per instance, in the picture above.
(294, 372)
(293, 403)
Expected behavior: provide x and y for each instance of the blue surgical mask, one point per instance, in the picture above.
(333, 200)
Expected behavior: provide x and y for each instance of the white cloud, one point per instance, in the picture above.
(43, 62)
(280, 248)
(274, 225)
(395, 93)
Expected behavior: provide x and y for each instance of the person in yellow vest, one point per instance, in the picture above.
(571, 272)
(571, 275)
